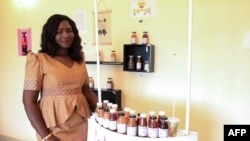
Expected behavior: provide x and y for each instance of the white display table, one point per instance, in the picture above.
(98, 133)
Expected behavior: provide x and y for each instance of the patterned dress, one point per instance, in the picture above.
(60, 87)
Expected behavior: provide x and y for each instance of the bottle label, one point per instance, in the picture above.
(153, 132)
(133, 40)
(109, 86)
(142, 131)
(121, 128)
(163, 133)
(112, 125)
(106, 123)
(144, 40)
(138, 66)
(146, 67)
(131, 131)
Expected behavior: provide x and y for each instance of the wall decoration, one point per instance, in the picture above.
(104, 28)
(79, 16)
(143, 8)
(24, 41)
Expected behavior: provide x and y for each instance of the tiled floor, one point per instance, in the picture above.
(4, 138)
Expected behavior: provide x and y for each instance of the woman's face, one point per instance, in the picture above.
(65, 35)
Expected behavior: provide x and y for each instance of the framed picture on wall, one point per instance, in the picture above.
(24, 41)
(104, 28)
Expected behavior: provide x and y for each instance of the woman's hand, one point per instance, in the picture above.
(52, 138)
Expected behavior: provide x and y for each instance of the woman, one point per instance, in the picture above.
(56, 96)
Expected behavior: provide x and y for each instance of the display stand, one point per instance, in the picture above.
(98, 133)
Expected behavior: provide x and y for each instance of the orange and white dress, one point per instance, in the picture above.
(60, 87)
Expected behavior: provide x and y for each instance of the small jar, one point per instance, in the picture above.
(112, 120)
(127, 113)
(98, 105)
(138, 63)
(131, 64)
(163, 127)
(153, 130)
(110, 105)
(105, 104)
(132, 124)
(142, 126)
(106, 116)
(109, 84)
(121, 123)
(145, 38)
(91, 82)
(100, 115)
(146, 66)
(113, 56)
(133, 38)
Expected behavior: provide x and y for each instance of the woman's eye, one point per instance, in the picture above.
(59, 31)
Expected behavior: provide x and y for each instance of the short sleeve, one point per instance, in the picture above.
(33, 74)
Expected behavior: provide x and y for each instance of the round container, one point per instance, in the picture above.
(145, 38)
(113, 56)
(163, 127)
(142, 126)
(132, 124)
(173, 123)
(106, 116)
(153, 130)
(121, 123)
(113, 120)
(133, 38)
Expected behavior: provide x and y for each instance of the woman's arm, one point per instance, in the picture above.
(90, 96)
(30, 98)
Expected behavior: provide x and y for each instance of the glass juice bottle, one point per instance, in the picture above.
(138, 63)
(145, 38)
(133, 38)
(131, 63)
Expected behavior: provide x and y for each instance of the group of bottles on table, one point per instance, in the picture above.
(138, 65)
(134, 38)
(126, 121)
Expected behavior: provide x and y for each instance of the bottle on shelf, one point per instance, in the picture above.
(113, 120)
(131, 64)
(105, 104)
(163, 127)
(121, 123)
(153, 126)
(91, 82)
(98, 105)
(146, 66)
(106, 116)
(143, 126)
(145, 38)
(109, 84)
(113, 56)
(100, 115)
(138, 63)
(133, 38)
(132, 124)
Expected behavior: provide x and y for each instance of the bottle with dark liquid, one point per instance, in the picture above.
(24, 44)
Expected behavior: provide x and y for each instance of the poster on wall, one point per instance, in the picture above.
(79, 17)
(143, 8)
(104, 28)
(24, 41)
